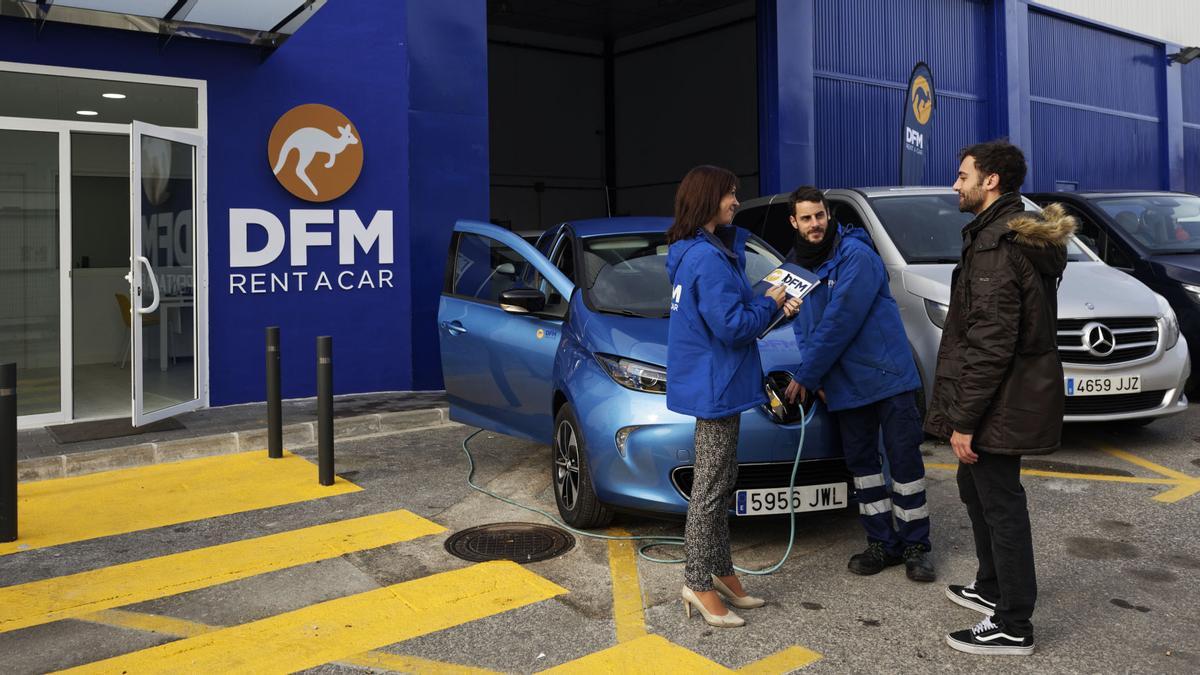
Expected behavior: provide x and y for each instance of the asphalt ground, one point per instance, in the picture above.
(1115, 516)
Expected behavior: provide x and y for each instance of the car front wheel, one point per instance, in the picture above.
(573, 491)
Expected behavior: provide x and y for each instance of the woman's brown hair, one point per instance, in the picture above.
(698, 199)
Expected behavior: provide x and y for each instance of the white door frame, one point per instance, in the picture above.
(138, 270)
(64, 128)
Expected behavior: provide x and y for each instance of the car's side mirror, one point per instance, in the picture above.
(507, 269)
(522, 300)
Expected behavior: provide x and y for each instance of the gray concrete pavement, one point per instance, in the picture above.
(1117, 568)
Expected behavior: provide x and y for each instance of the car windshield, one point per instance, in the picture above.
(627, 274)
(928, 228)
(1161, 223)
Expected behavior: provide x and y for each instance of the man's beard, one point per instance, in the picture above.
(970, 200)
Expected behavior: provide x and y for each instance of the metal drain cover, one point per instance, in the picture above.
(518, 542)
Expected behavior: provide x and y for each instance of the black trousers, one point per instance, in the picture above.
(991, 489)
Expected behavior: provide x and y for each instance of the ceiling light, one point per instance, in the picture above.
(113, 95)
(86, 113)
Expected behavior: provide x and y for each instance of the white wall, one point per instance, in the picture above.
(1171, 20)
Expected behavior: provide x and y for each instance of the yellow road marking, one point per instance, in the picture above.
(648, 654)
(792, 658)
(411, 664)
(1073, 476)
(626, 589)
(64, 510)
(148, 623)
(73, 595)
(331, 631)
(1187, 485)
(165, 625)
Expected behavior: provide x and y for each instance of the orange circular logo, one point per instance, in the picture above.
(315, 152)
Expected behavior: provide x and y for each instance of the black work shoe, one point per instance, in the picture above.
(990, 638)
(970, 598)
(873, 560)
(917, 564)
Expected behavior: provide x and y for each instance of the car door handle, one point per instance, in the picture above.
(453, 327)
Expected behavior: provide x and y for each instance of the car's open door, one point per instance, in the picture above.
(497, 355)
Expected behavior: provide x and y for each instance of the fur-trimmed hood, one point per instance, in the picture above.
(1052, 227)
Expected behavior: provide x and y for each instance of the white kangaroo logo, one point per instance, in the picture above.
(311, 141)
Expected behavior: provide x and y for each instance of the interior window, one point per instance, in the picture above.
(484, 268)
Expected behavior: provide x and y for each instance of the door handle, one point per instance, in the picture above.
(153, 284)
(453, 327)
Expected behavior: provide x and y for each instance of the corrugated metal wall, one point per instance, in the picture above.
(1094, 107)
(1191, 124)
(865, 51)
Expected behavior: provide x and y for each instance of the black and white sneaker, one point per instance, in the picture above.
(970, 598)
(990, 638)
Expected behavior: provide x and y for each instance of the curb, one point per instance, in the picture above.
(294, 436)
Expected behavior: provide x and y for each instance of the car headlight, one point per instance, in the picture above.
(635, 375)
(937, 312)
(1170, 323)
(1193, 291)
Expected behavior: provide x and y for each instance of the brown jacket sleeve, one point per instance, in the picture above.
(992, 324)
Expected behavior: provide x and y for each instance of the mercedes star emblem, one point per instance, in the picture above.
(1099, 339)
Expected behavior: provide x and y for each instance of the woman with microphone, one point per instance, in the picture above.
(714, 373)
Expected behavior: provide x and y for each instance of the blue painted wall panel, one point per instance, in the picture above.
(384, 338)
(865, 52)
(1082, 64)
(1191, 143)
(449, 156)
(1190, 75)
(1116, 85)
(1065, 148)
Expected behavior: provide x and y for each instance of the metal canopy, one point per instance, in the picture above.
(263, 23)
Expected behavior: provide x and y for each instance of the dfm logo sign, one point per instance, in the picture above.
(352, 235)
(315, 152)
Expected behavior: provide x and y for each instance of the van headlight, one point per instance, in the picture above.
(1169, 323)
(635, 375)
(1193, 291)
(937, 312)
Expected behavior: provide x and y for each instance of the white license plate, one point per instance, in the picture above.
(768, 501)
(1103, 385)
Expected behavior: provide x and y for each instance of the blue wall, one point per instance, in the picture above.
(423, 134)
(1191, 125)
(1088, 84)
(865, 52)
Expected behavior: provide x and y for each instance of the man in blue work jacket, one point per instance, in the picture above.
(855, 356)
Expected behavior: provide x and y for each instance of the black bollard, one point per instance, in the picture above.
(274, 404)
(8, 452)
(325, 409)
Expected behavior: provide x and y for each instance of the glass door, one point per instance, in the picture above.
(165, 195)
(31, 272)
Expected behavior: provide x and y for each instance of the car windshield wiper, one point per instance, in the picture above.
(630, 312)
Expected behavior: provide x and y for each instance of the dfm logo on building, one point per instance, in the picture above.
(921, 99)
(316, 154)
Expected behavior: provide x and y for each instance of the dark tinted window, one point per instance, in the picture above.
(484, 268)
(1161, 223)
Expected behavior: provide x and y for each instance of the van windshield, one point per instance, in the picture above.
(927, 229)
(627, 273)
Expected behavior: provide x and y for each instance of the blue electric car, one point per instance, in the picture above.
(563, 342)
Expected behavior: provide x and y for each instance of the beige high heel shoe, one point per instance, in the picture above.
(742, 602)
(726, 620)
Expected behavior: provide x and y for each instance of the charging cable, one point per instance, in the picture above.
(653, 541)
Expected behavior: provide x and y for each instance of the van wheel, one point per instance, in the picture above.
(573, 491)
